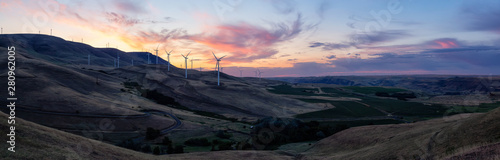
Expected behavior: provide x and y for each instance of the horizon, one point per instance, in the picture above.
(285, 38)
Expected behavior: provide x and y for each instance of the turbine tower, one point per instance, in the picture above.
(192, 60)
(168, 58)
(241, 72)
(259, 74)
(88, 60)
(191, 63)
(217, 67)
(117, 59)
(157, 53)
(186, 60)
(148, 56)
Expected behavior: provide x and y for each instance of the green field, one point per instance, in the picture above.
(287, 89)
(483, 107)
(343, 109)
(405, 108)
(359, 123)
(373, 90)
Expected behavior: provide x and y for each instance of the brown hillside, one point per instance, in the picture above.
(463, 134)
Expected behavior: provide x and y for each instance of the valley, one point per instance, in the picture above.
(148, 111)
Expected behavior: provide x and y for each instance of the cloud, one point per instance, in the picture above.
(284, 55)
(126, 21)
(374, 38)
(331, 56)
(440, 43)
(363, 40)
(120, 19)
(248, 42)
(465, 60)
(482, 16)
(329, 46)
(129, 6)
(284, 6)
(443, 43)
(322, 8)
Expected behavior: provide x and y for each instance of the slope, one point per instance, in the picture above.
(34, 141)
(460, 136)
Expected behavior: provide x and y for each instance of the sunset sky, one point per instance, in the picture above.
(282, 37)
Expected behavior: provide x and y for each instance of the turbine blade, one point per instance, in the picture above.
(222, 57)
(188, 53)
(214, 55)
(170, 51)
(157, 46)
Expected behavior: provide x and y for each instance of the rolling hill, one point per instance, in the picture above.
(103, 105)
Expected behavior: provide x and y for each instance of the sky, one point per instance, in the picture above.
(281, 38)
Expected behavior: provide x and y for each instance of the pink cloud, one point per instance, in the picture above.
(247, 42)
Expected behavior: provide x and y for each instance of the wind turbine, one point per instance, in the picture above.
(148, 56)
(192, 62)
(117, 58)
(168, 58)
(259, 73)
(157, 53)
(241, 72)
(186, 60)
(217, 66)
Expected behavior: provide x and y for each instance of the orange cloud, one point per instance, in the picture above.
(444, 44)
(247, 42)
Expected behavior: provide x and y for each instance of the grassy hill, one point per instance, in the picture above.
(458, 137)
(34, 141)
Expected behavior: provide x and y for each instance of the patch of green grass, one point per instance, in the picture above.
(333, 90)
(287, 89)
(482, 108)
(373, 90)
(360, 122)
(190, 149)
(342, 109)
(405, 108)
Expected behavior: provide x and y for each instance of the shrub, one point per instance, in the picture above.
(197, 142)
(166, 141)
(156, 151)
(179, 149)
(223, 134)
(152, 133)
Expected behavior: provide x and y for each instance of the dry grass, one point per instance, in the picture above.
(34, 141)
(432, 139)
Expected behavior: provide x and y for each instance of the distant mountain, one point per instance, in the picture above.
(439, 84)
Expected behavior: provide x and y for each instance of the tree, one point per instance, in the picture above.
(170, 149)
(179, 149)
(152, 133)
(156, 151)
(166, 141)
(146, 148)
(197, 142)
